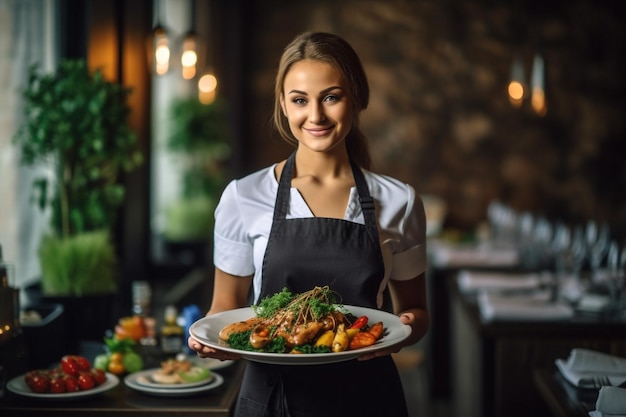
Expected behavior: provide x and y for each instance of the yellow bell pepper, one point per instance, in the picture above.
(326, 339)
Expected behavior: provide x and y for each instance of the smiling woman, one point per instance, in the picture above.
(316, 103)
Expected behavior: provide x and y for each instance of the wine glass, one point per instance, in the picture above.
(616, 283)
(569, 248)
(597, 238)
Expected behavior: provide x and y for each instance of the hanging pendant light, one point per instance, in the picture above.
(189, 56)
(516, 83)
(538, 93)
(161, 45)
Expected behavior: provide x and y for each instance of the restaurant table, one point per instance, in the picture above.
(493, 361)
(123, 401)
(445, 260)
(564, 399)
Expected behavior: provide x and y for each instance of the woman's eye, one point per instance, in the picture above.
(299, 101)
(331, 98)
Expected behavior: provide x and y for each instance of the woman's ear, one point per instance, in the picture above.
(282, 105)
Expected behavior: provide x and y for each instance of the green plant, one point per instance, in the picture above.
(81, 265)
(78, 120)
(198, 140)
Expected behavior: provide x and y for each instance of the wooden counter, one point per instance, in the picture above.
(564, 399)
(122, 401)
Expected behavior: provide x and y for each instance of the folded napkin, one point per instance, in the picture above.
(470, 281)
(612, 401)
(473, 256)
(527, 307)
(596, 413)
(583, 365)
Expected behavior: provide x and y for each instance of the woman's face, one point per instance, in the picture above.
(316, 103)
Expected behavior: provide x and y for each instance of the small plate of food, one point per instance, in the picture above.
(303, 329)
(174, 378)
(174, 374)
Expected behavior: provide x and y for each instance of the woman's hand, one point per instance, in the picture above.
(229, 292)
(405, 318)
(204, 351)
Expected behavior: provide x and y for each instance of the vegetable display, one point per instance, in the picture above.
(310, 322)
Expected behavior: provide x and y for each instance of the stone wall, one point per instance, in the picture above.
(439, 116)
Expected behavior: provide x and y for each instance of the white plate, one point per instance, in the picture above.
(18, 386)
(206, 331)
(131, 382)
(212, 363)
(145, 378)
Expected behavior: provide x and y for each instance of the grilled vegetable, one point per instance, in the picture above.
(341, 340)
(326, 339)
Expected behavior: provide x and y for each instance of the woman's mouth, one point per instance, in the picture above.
(319, 132)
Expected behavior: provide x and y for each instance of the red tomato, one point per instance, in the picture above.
(57, 385)
(82, 363)
(85, 381)
(98, 375)
(71, 384)
(359, 323)
(69, 365)
(37, 381)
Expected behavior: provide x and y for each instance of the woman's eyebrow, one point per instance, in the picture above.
(324, 91)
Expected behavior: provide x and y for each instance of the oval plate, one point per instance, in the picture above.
(18, 386)
(131, 382)
(145, 378)
(206, 331)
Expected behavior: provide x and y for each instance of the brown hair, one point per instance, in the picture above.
(336, 51)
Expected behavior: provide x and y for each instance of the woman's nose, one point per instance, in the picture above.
(316, 113)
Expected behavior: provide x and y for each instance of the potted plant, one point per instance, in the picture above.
(76, 121)
(198, 142)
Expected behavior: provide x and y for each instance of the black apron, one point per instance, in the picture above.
(346, 256)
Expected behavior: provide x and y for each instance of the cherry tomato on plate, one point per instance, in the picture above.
(69, 365)
(85, 381)
(71, 384)
(57, 384)
(37, 381)
(98, 376)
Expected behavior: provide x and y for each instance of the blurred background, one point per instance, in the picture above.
(441, 116)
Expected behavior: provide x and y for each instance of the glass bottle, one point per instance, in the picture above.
(171, 332)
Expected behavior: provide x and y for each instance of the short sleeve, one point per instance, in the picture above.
(232, 248)
(409, 254)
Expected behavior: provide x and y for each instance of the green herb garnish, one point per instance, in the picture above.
(270, 305)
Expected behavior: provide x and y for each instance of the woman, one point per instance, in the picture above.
(321, 218)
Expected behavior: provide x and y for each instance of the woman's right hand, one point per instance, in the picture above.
(204, 351)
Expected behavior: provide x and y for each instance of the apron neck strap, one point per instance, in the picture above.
(284, 189)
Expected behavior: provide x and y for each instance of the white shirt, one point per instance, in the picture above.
(243, 220)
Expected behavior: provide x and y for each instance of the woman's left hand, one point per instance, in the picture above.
(405, 318)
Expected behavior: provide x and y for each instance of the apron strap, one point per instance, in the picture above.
(284, 189)
(367, 202)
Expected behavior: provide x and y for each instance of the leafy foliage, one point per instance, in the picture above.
(78, 121)
(199, 137)
(81, 265)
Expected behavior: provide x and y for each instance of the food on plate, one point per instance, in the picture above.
(310, 322)
(176, 371)
(74, 373)
(120, 357)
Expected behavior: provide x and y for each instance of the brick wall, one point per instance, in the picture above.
(439, 116)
